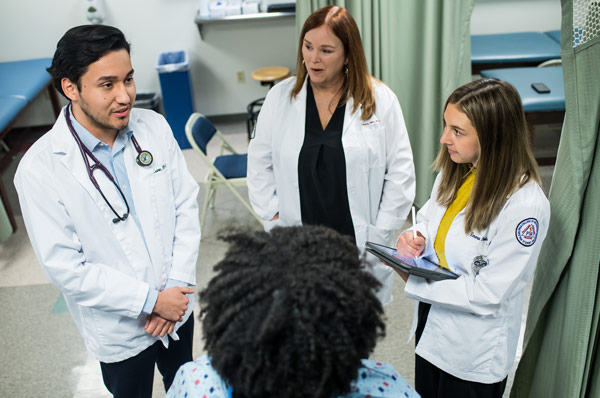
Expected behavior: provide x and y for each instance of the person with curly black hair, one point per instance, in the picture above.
(290, 313)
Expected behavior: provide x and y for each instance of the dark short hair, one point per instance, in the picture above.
(290, 313)
(80, 47)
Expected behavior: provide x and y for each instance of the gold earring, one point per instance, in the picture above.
(346, 70)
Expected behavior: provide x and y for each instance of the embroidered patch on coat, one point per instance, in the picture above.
(527, 231)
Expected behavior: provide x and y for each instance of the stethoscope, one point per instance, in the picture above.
(144, 158)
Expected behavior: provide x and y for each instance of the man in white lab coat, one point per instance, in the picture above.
(111, 211)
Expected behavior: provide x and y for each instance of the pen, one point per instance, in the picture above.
(414, 221)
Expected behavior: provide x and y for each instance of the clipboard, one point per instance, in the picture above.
(419, 267)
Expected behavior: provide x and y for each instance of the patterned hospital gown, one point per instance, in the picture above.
(198, 379)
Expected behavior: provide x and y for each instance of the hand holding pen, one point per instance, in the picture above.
(411, 243)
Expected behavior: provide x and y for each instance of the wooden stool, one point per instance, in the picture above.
(267, 77)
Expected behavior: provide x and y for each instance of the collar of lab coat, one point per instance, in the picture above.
(348, 115)
(64, 145)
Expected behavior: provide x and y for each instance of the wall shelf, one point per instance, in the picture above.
(200, 21)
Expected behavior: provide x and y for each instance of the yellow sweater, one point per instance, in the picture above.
(459, 203)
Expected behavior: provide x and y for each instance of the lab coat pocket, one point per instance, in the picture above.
(163, 204)
(374, 140)
(482, 340)
(162, 189)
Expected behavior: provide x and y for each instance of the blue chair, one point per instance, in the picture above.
(228, 169)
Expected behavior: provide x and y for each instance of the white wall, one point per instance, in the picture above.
(505, 16)
(31, 29)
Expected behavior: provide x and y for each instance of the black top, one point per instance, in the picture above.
(322, 171)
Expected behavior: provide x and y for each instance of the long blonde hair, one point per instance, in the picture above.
(357, 82)
(505, 161)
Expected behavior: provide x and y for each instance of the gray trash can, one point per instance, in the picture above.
(147, 101)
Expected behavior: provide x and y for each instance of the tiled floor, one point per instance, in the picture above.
(43, 354)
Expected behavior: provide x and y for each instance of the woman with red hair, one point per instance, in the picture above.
(330, 146)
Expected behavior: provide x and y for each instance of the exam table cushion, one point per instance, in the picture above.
(9, 109)
(522, 78)
(554, 35)
(24, 79)
(513, 47)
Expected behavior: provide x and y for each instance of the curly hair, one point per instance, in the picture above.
(290, 313)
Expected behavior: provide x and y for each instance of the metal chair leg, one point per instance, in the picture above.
(211, 200)
(237, 194)
(209, 187)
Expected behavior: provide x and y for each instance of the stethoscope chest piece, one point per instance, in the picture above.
(144, 158)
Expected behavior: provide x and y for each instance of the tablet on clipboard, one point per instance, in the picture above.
(419, 267)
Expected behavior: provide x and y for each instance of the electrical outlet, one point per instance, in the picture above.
(241, 76)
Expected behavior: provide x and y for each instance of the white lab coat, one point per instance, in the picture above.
(379, 168)
(103, 269)
(473, 326)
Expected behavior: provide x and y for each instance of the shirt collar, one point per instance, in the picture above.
(92, 142)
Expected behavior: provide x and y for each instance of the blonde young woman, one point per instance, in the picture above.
(486, 220)
(330, 146)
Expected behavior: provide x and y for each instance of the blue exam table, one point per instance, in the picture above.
(512, 50)
(24, 79)
(554, 35)
(20, 83)
(522, 78)
(539, 108)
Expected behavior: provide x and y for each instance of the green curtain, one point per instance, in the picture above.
(421, 49)
(561, 356)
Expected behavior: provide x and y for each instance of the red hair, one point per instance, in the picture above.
(357, 82)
